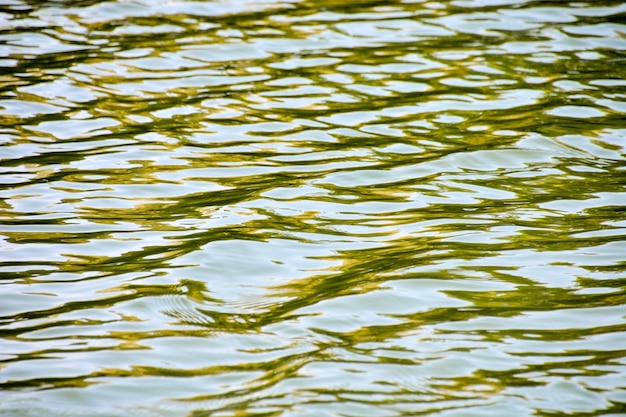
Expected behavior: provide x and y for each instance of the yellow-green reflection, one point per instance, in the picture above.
(312, 208)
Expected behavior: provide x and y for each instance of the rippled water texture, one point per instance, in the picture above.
(312, 208)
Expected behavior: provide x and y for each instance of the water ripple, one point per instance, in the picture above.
(285, 208)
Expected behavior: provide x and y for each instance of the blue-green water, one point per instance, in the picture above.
(312, 208)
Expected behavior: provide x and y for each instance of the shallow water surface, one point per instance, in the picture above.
(312, 208)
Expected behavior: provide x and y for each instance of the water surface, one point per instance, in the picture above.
(312, 208)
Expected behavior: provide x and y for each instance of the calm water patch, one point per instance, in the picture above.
(312, 208)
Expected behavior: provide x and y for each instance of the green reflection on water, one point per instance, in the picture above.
(312, 208)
